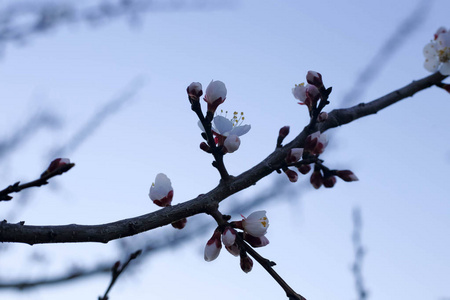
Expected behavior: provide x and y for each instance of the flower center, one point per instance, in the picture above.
(237, 119)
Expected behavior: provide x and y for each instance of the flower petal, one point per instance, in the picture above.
(240, 130)
(222, 125)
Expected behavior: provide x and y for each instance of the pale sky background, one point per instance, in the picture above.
(259, 49)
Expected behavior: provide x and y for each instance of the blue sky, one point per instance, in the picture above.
(259, 50)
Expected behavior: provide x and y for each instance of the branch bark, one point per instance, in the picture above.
(20, 233)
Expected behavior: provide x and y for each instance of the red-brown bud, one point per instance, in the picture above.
(179, 224)
(316, 179)
(347, 175)
(304, 169)
(329, 181)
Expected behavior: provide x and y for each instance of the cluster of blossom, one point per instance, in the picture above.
(254, 228)
(310, 93)
(437, 52)
(226, 131)
(316, 142)
(161, 193)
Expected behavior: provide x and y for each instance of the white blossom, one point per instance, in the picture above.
(256, 223)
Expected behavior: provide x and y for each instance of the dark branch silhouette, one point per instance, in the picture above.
(208, 202)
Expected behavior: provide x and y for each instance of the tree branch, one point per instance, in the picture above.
(17, 187)
(205, 203)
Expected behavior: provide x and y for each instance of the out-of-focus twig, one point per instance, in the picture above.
(359, 255)
(107, 110)
(22, 19)
(400, 35)
(117, 269)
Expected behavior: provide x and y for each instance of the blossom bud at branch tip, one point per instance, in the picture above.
(57, 163)
(347, 175)
(314, 78)
(161, 191)
(256, 223)
(194, 91)
(284, 131)
(213, 246)
(216, 93)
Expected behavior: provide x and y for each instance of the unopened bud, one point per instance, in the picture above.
(314, 78)
(179, 224)
(304, 169)
(292, 175)
(329, 181)
(228, 236)
(246, 263)
(232, 143)
(256, 241)
(57, 163)
(204, 146)
(316, 179)
(194, 91)
(347, 175)
(294, 155)
(284, 131)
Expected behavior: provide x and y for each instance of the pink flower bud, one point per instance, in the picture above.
(304, 169)
(216, 93)
(228, 236)
(57, 163)
(179, 224)
(316, 179)
(194, 91)
(292, 175)
(246, 263)
(294, 155)
(256, 241)
(256, 223)
(161, 191)
(316, 142)
(233, 249)
(213, 246)
(232, 143)
(329, 181)
(347, 175)
(314, 78)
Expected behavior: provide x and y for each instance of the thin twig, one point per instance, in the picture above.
(17, 187)
(117, 269)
